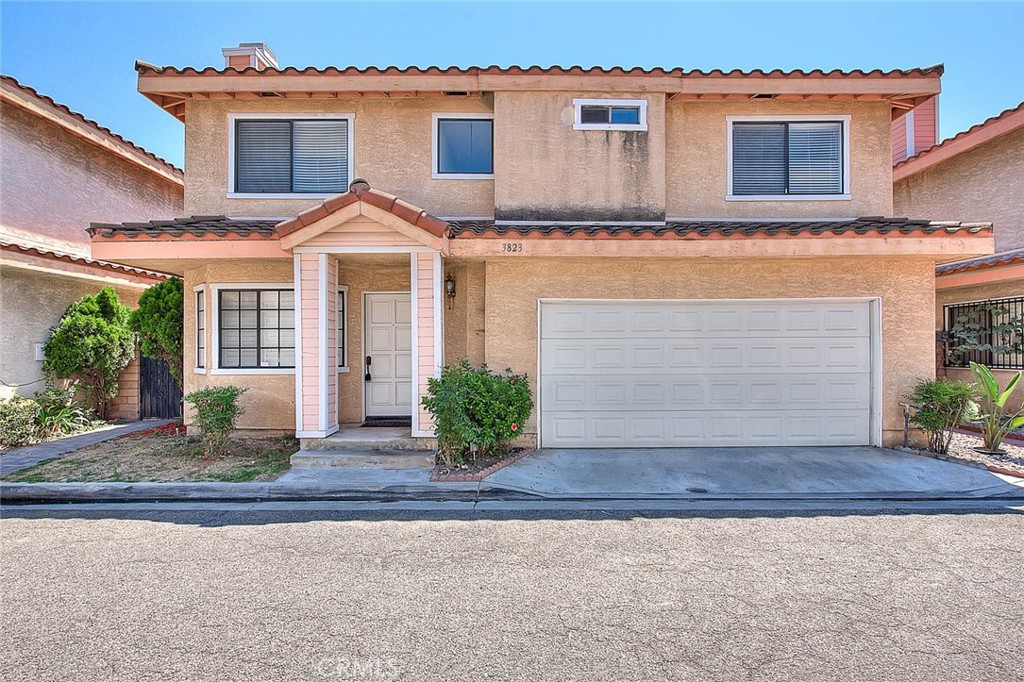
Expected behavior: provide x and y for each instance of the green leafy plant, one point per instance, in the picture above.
(160, 323)
(996, 421)
(18, 424)
(943, 404)
(473, 406)
(92, 343)
(989, 327)
(216, 410)
(60, 413)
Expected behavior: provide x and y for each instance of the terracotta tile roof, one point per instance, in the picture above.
(196, 226)
(712, 229)
(106, 132)
(1011, 257)
(69, 258)
(515, 70)
(360, 190)
(1005, 122)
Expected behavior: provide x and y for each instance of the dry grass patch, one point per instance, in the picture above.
(166, 455)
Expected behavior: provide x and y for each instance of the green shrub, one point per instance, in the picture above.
(60, 413)
(160, 324)
(477, 406)
(216, 409)
(18, 421)
(996, 420)
(92, 343)
(944, 405)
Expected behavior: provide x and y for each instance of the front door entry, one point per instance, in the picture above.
(387, 355)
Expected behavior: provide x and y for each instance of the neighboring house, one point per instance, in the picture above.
(976, 175)
(60, 171)
(674, 257)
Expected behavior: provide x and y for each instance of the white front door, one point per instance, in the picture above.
(387, 355)
(705, 373)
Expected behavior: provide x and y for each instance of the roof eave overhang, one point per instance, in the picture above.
(983, 275)
(14, 96)
(170, 89)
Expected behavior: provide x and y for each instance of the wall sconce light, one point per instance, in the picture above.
(449, 289)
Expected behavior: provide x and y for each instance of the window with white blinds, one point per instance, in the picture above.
(787, 158)
(301, 156)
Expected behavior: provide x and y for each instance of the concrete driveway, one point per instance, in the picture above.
(768, 472)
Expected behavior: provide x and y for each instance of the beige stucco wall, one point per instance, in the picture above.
(984, 184)
(904, 285)
(270, 402)
(696, 160)
(392, 139)
(464, 314)
(55, 184)
(546, 170)
(31, 303)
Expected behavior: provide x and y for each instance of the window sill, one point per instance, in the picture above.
(267, 370)
(199, 370)
(624, 127)
(258, 195)
(788, 197)
(462, 176)
(344, 370)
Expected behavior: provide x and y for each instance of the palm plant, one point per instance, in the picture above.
(996, 421)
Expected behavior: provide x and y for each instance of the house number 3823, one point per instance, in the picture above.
(511, 247)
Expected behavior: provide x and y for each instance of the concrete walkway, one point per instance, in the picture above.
(769, 472)
(22, 458)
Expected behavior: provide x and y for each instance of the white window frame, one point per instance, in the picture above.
(215, 289)
(197, 293)
(578, 105)
(343, 365)
(233, 118)
(844, 119)
(434, 119)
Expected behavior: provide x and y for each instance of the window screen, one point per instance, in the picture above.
(291, 157)
(787, 158)
(465, 145)
(257, 328)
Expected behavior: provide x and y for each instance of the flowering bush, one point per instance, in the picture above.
(475, 406)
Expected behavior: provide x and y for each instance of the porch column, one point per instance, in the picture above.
(427, 334)
(316, 344)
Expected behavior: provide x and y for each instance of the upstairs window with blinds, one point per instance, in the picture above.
(292, 156)
(787, 158)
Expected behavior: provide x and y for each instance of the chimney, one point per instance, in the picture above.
(246, 55)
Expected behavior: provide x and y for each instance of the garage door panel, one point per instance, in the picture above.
(748, 355)
(666, 428)
(663, 374)
(658, 319)
(727, 392)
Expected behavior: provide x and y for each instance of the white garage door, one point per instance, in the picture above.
(694, 373)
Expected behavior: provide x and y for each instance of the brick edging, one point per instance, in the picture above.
(483, 473)
(1005, 472)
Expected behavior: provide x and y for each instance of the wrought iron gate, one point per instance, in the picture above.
(159, 393)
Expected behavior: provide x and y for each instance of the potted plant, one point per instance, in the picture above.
(995, 421)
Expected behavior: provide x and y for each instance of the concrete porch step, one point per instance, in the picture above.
(363, 458)
(369, 438)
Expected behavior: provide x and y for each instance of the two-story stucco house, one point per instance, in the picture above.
(977, 174)
(674, 257)
(60, 171)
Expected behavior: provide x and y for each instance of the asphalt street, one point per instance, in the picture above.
(283, 594)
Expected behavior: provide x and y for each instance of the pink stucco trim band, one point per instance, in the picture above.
(360, 190)
(103, 267)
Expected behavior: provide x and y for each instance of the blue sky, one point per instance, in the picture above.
(82, 54)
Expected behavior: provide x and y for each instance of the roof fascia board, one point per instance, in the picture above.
(954, 147)
(15, 97)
